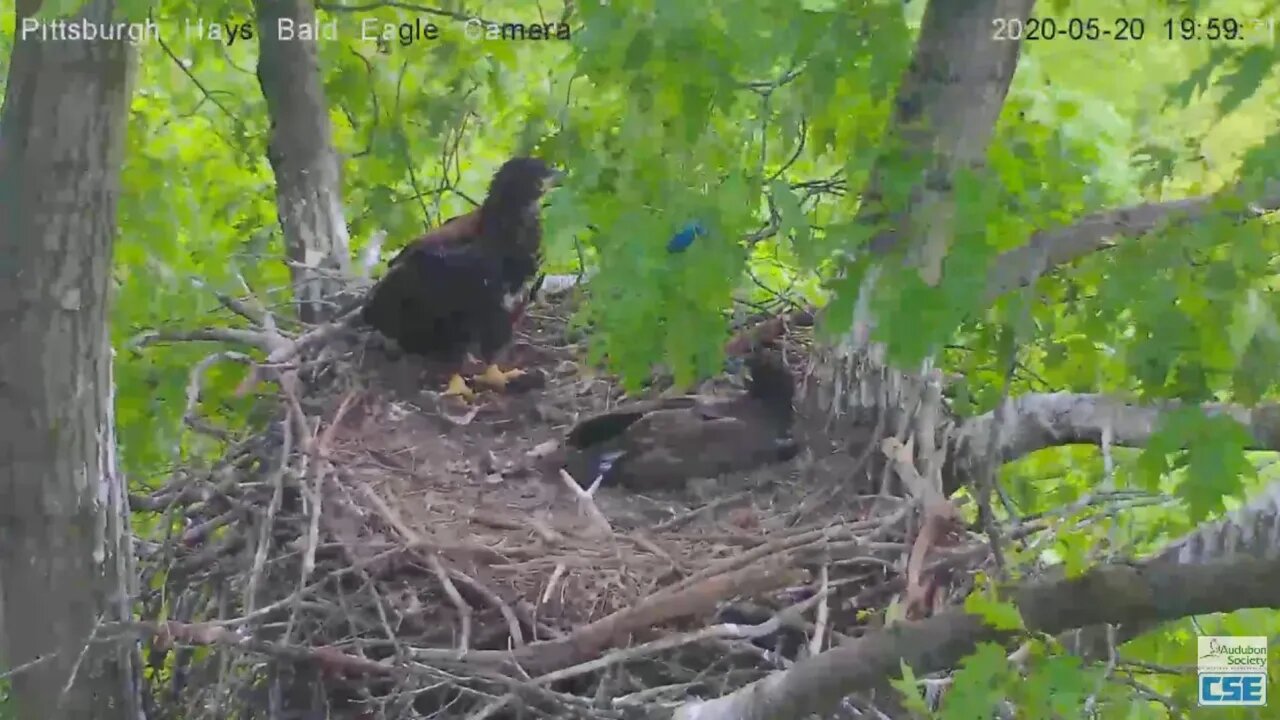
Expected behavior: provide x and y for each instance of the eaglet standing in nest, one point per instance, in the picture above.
(664, 443)
(465, 283)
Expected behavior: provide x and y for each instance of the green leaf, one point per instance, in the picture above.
(1251, 67)
(1212, 449)
(908, 687)
(1248, 315)
(1055, 687)
(999, 614)
(979, 685)
(794, 223)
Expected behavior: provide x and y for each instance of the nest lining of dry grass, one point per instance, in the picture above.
(415, 559)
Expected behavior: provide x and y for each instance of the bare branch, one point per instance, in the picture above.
(1250, 531)
(1060, 246)
(225, 335)
(1043, 420)
(1108, 594)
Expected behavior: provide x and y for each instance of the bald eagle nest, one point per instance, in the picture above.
(378, 552)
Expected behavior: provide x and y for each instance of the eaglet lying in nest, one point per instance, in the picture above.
(661, 444)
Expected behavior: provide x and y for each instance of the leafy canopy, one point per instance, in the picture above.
(762, 120)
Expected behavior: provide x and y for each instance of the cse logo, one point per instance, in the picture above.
(1233, 689)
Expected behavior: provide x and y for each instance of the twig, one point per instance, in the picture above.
(587, 503)
(684, 518)
(264, 534)
(195, 382)
(253, 338)
(75, 667)
(552, 581)
(823, 614)
(513, 622)
(433, 561)
(773, 547)
(461, 605)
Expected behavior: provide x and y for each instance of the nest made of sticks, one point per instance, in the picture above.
(378, 552)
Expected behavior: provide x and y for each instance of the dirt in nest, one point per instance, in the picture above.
(397, 539)
(481, 483)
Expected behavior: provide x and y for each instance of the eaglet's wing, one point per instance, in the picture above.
(458, 279)
(457, 230)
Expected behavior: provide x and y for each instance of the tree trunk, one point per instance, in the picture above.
(64, 546)
(308, 176)
(945, 114)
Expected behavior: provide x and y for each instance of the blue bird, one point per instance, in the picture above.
(685, 236)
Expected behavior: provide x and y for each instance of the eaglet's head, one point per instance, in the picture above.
(522, 181)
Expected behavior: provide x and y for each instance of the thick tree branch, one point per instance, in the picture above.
(1041, 420)
(1052, 248)
(1108, 594)
(1250, 531)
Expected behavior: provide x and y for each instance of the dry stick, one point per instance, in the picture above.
(824, 612)
(684, 518)
(463, 607)
(321, 451)
(169, 633)
(777, 546)
(548, 534)
(587, 503)
(252, 338)
(513, 622)
(587, 640)
(75, 667)
(644, 542)
(494, 706)
(552, 581)
(938, 515)
(264, 535)
(723, 631)
(197, 533)
(195, 382)
(313, 520)
(656, 609)
(433, 560)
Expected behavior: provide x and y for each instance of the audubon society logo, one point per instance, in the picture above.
(1232, 670)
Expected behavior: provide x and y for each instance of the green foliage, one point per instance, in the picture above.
(763, 120)
(1214, 460)
(906, 687)
(712, 144)
(1056, 686)
(980, 685)
(998, 614)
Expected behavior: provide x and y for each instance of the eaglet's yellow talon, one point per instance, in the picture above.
(496, 378)
(458, 388)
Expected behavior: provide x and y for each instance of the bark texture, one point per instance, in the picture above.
(64, 551)
(1120, 594)
(945, 115)
(308, 175)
